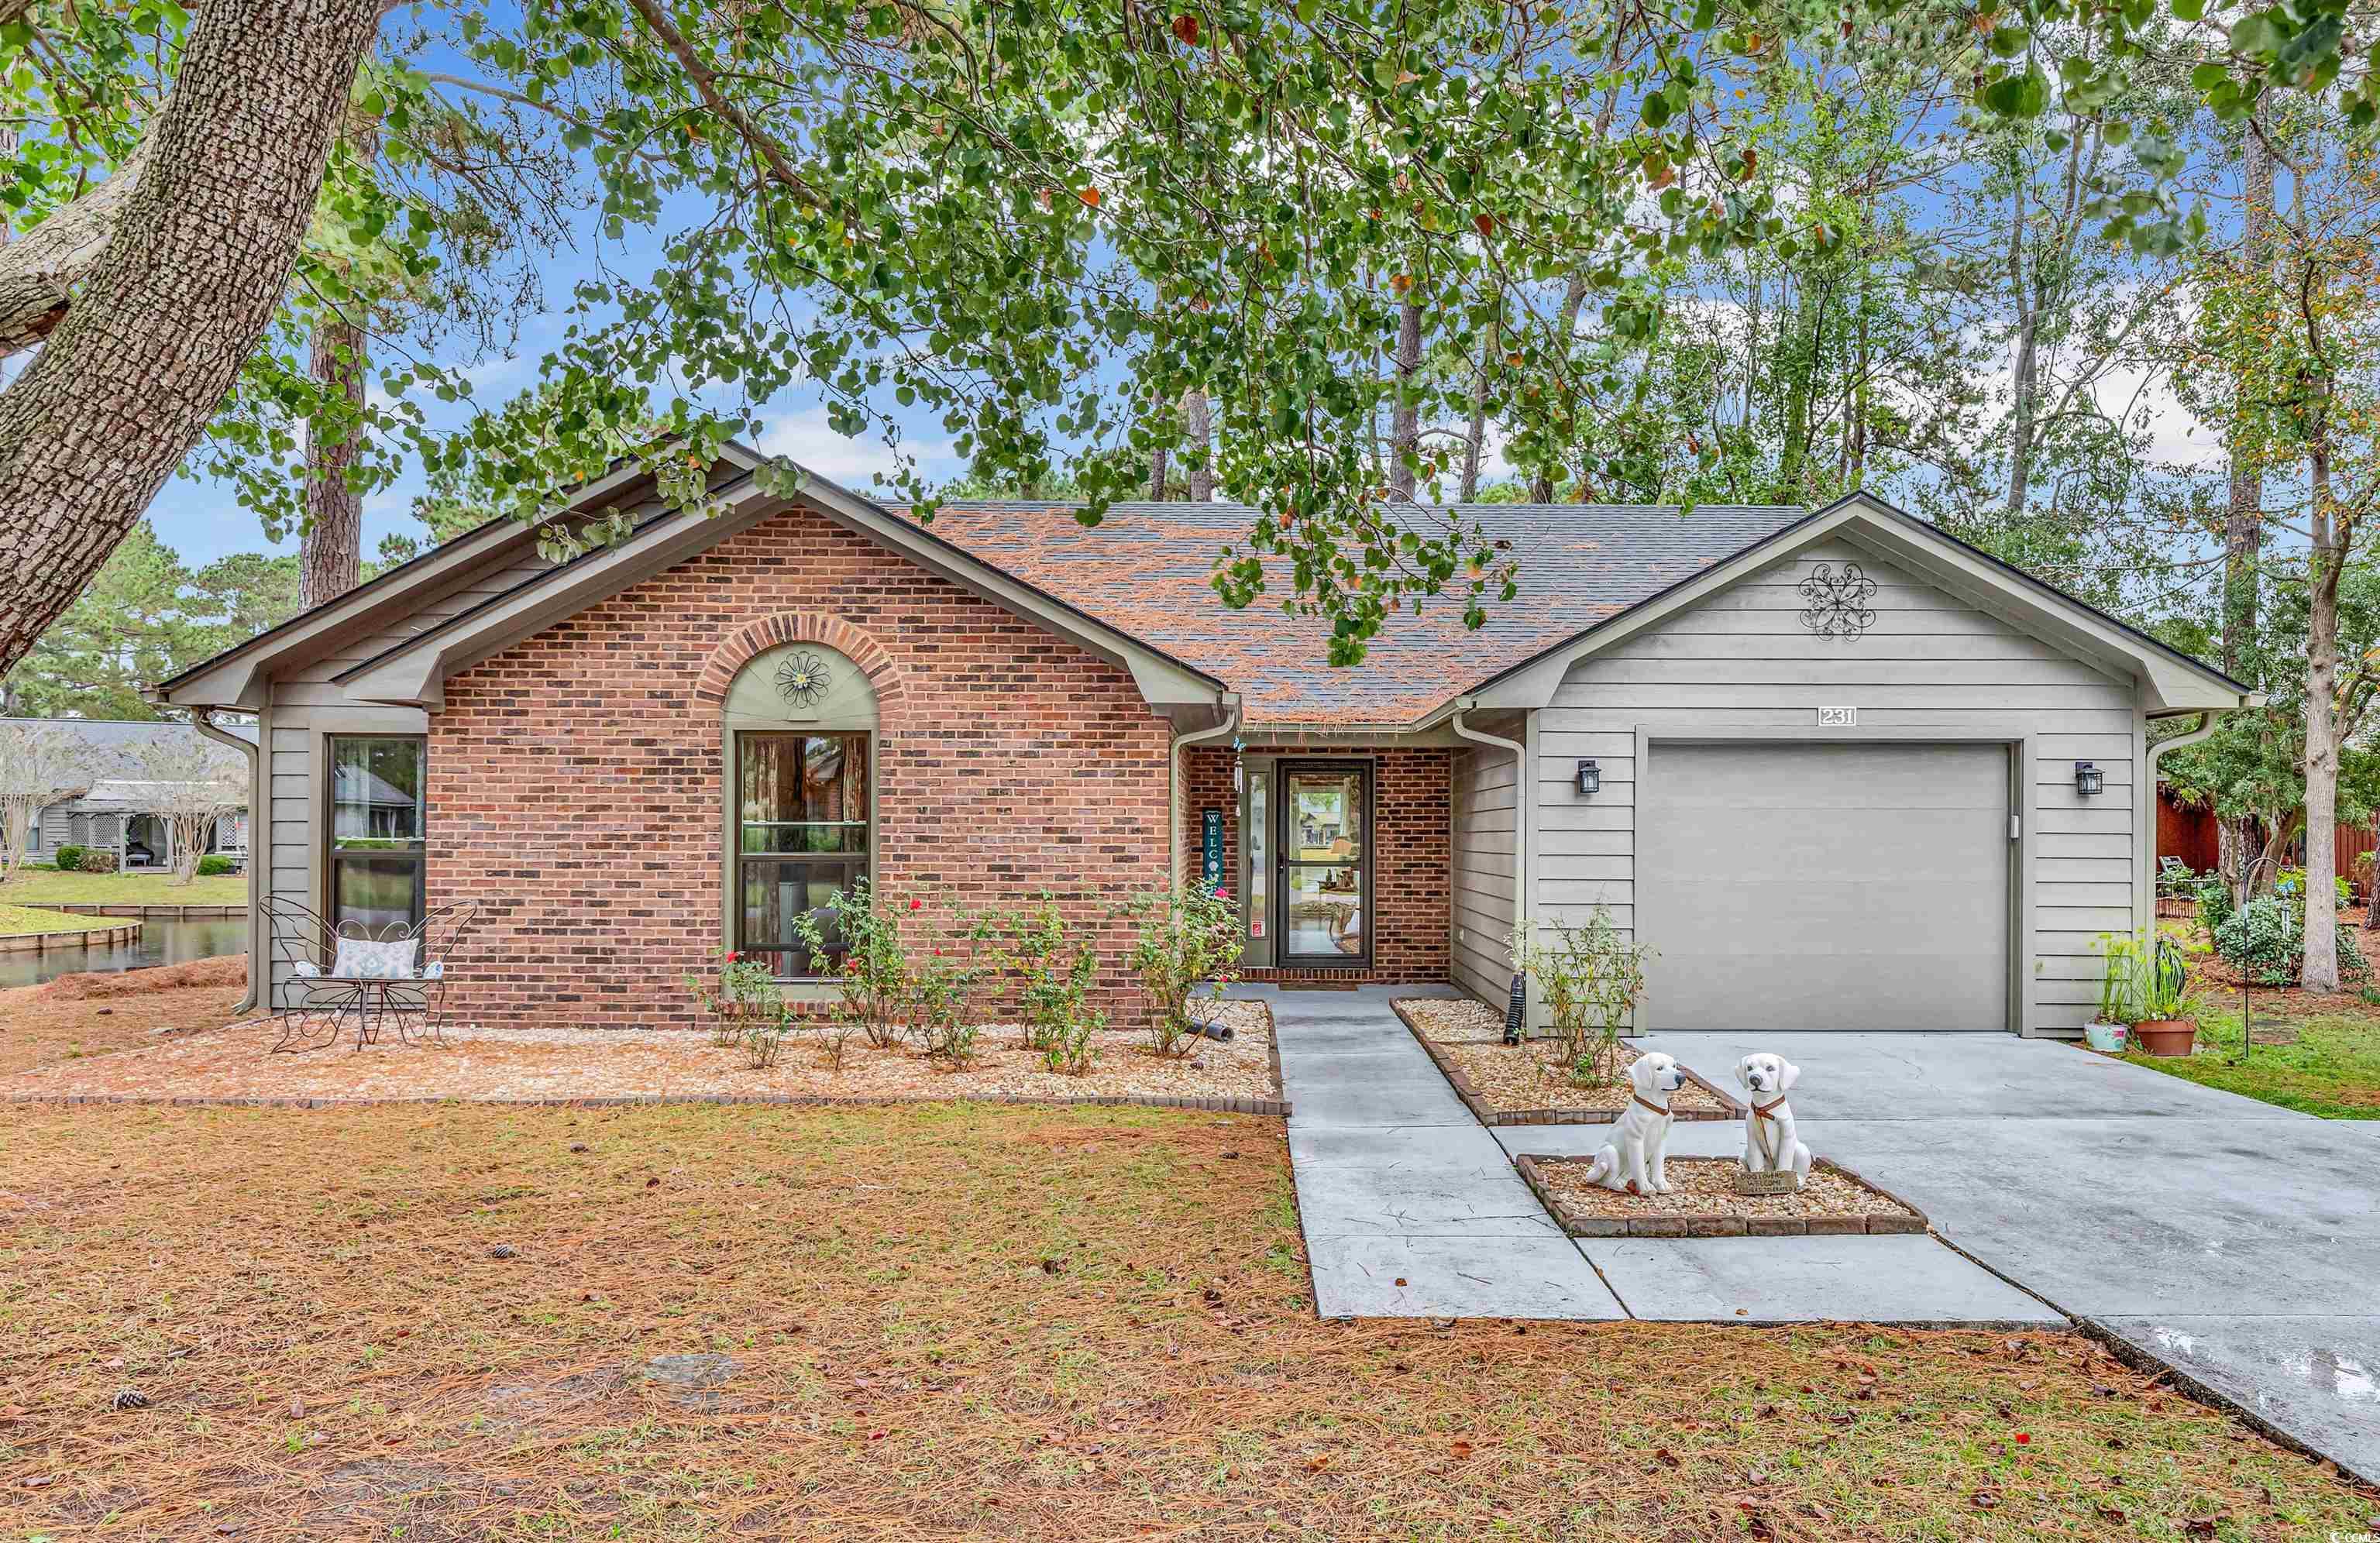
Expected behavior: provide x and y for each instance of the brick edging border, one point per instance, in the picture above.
(1274, 1108)
(1578, 1224)
(1488, 1114)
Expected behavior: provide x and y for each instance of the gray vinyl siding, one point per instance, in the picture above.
(1485, 823)
(1741, 661)
(308, 706)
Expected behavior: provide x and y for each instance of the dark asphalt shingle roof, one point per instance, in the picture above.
(1146, 571)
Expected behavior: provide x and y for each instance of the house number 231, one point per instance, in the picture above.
(1839, 717)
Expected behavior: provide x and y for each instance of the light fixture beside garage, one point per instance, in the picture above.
(1590, 779)
(2089, 780)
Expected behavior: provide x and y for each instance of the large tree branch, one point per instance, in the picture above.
(39, 272)
(706, 85)
(201, 255)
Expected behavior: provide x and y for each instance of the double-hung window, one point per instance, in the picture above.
(376, 830)
(801, 835)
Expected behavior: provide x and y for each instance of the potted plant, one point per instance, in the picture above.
(2162, 985)
(2120, 993)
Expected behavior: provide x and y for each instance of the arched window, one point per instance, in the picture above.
(800, 733)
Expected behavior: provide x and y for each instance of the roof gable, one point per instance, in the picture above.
(2170, 681)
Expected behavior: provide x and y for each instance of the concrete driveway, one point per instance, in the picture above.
(2236, 1241)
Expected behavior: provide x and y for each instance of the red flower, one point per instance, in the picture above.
(915, 903)
(732, 956)
(2023, 1439)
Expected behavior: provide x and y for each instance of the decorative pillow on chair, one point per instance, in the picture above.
(306, 969)
(362, 959)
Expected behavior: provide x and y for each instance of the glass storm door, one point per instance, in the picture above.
(1325, 865)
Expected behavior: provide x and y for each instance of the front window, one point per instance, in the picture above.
(801, 835)
(377, 829)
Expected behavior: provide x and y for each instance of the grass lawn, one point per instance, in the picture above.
(945, 1321)
(19, 920)
(43, 887)
(2330, 1067)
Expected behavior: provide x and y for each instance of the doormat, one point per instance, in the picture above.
(1316, 985)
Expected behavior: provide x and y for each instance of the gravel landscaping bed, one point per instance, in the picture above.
(1529, 1084)
(484, 1064)
(1702, 1203)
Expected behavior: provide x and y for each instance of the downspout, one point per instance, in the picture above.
(1231, 703)
(203, 720)
(1523, 801)
(2145, 888)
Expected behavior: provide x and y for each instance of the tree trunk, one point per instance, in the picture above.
(1198, 429)
(2326, 558)
(1404, 420)
(330, 552)
(127, 381)
(2023, 383)
(1541, 482)
(1157, 474)
(2243, 523)
(1475, 445)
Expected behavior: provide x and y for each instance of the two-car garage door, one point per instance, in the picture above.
(1825, 886)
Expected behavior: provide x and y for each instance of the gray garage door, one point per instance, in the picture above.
(1825, 886)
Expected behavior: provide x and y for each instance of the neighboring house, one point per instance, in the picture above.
(116, 814)
(1824, 763)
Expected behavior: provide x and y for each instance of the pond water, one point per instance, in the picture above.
(160, 943)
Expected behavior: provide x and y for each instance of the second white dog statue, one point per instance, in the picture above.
(1632, 1159)
(1771, 1144)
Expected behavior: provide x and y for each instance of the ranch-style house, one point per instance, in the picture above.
(1840, 771)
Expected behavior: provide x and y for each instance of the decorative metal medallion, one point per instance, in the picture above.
(802, 679)
(1836, 604)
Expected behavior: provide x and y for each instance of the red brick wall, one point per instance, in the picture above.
(1412, 837)
(575, 783)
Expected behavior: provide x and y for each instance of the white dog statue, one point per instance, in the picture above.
(1632, 1159)
(1771, 1144)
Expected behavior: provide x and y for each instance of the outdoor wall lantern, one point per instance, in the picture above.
(1590, 779)
(2089, 780)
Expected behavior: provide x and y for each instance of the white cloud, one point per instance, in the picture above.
(806, 438)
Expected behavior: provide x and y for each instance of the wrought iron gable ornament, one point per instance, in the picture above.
(802, 679)
(1835, 604)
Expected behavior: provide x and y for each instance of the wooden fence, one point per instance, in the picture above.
(2190, 834)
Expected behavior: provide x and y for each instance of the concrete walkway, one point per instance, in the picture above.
(2236, 1241)
(1412, 1209)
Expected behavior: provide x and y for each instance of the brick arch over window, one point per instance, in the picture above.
(802, 626)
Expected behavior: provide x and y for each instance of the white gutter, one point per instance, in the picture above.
(2145, 888)
(1524, 790)
(203, 720)
(1174, 776)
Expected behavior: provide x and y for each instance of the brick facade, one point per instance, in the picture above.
(1411, 840)
(576, 784)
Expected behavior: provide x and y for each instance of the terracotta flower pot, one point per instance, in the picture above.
(2164, 1036)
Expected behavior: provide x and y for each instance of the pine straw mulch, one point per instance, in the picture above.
(945, 1321)
(77, 1016)
(1467, 1037)
(502, 1064)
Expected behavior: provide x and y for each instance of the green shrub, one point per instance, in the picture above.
(2213, 897)
(1188, 939)
(214, 863)
(1591, 981)
(2264, 941)
(762, 1042)
(69, 858)
(747, 996)
(940, 1005)
(2122, 980)
(1053, 970)
(1074, 1046)
(873, 984)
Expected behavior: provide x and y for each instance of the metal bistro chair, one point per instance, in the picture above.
(352, 972)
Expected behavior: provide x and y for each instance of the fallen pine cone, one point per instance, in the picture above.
(129, 1398)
